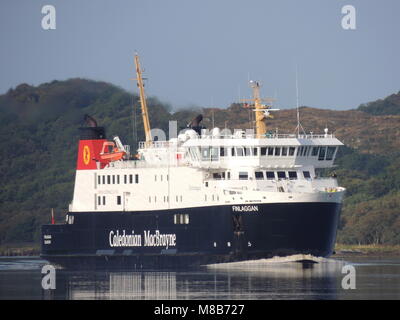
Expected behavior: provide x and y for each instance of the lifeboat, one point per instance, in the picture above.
(110, 152)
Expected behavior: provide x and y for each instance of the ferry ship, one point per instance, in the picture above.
(203, 197)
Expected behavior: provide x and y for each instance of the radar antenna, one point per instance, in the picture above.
(261, 110)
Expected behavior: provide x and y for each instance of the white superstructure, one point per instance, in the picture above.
(213, 169)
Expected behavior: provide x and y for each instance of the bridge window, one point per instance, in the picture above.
(117, 179)
(315, 151)
(321, 155)
(263, 151)
(113, 179)
(330, 152)
(108, 179)
(131, 178)
(222, 152)
(98, 179)
(291, 151)
(247, 152)
(205, 153)
(284, 152)
(259, 175)
(292, 175)
(281, 175)
(277, 151)
(270, 151)
(239, 152)
(136, 178)
(243, 175)
(270, 175)
(104, 179)
(255, 151)
(306, 174)
(299, 151)
(214, 154)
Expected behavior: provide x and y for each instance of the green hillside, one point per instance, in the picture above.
(38, 126)
(389, 105)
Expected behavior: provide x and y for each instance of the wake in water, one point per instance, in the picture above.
(298, 265)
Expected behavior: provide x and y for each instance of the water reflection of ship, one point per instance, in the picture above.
(143, 286)
(259, 281)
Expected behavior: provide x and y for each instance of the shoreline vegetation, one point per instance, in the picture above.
(33, 249)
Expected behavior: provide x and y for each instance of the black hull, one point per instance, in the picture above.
(213, 235)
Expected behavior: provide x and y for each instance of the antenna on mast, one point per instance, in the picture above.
(297, 107)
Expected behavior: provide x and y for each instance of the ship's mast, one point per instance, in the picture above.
(261, 110)
(143, 102)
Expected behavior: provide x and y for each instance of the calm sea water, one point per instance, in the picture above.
(277, 278)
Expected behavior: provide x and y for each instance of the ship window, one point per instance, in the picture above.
(305, 149)
(263, 151)
(255, 151)
(270, 151)
(284, 152)
(270, 175)
(306, 174)
(247, 152)
(214, 154)
(308, 151)
(131, 178)
(104, 179)
(330, 152)
(205, 153)
(155, 178)
(259, 175)
(321, 155)
(217, 176)
(299, 151)
(315, 151)
(291, 151)
(229, 175)
(117, 179)
(277, 151)
(104, 200)
(125, 179)
(113, 179)
(98, 179)
(222, 152)
(239, 152)
(99, 200)
(281, 175)
(292, 175)
(243, 175)
(136, 178)
(108, 179)
(181, 219)
(118, 200)
(181, 198)
(232, 152)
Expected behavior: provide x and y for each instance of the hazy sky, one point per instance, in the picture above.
(203, 52)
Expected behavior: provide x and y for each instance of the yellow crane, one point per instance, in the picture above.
(143, 103)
